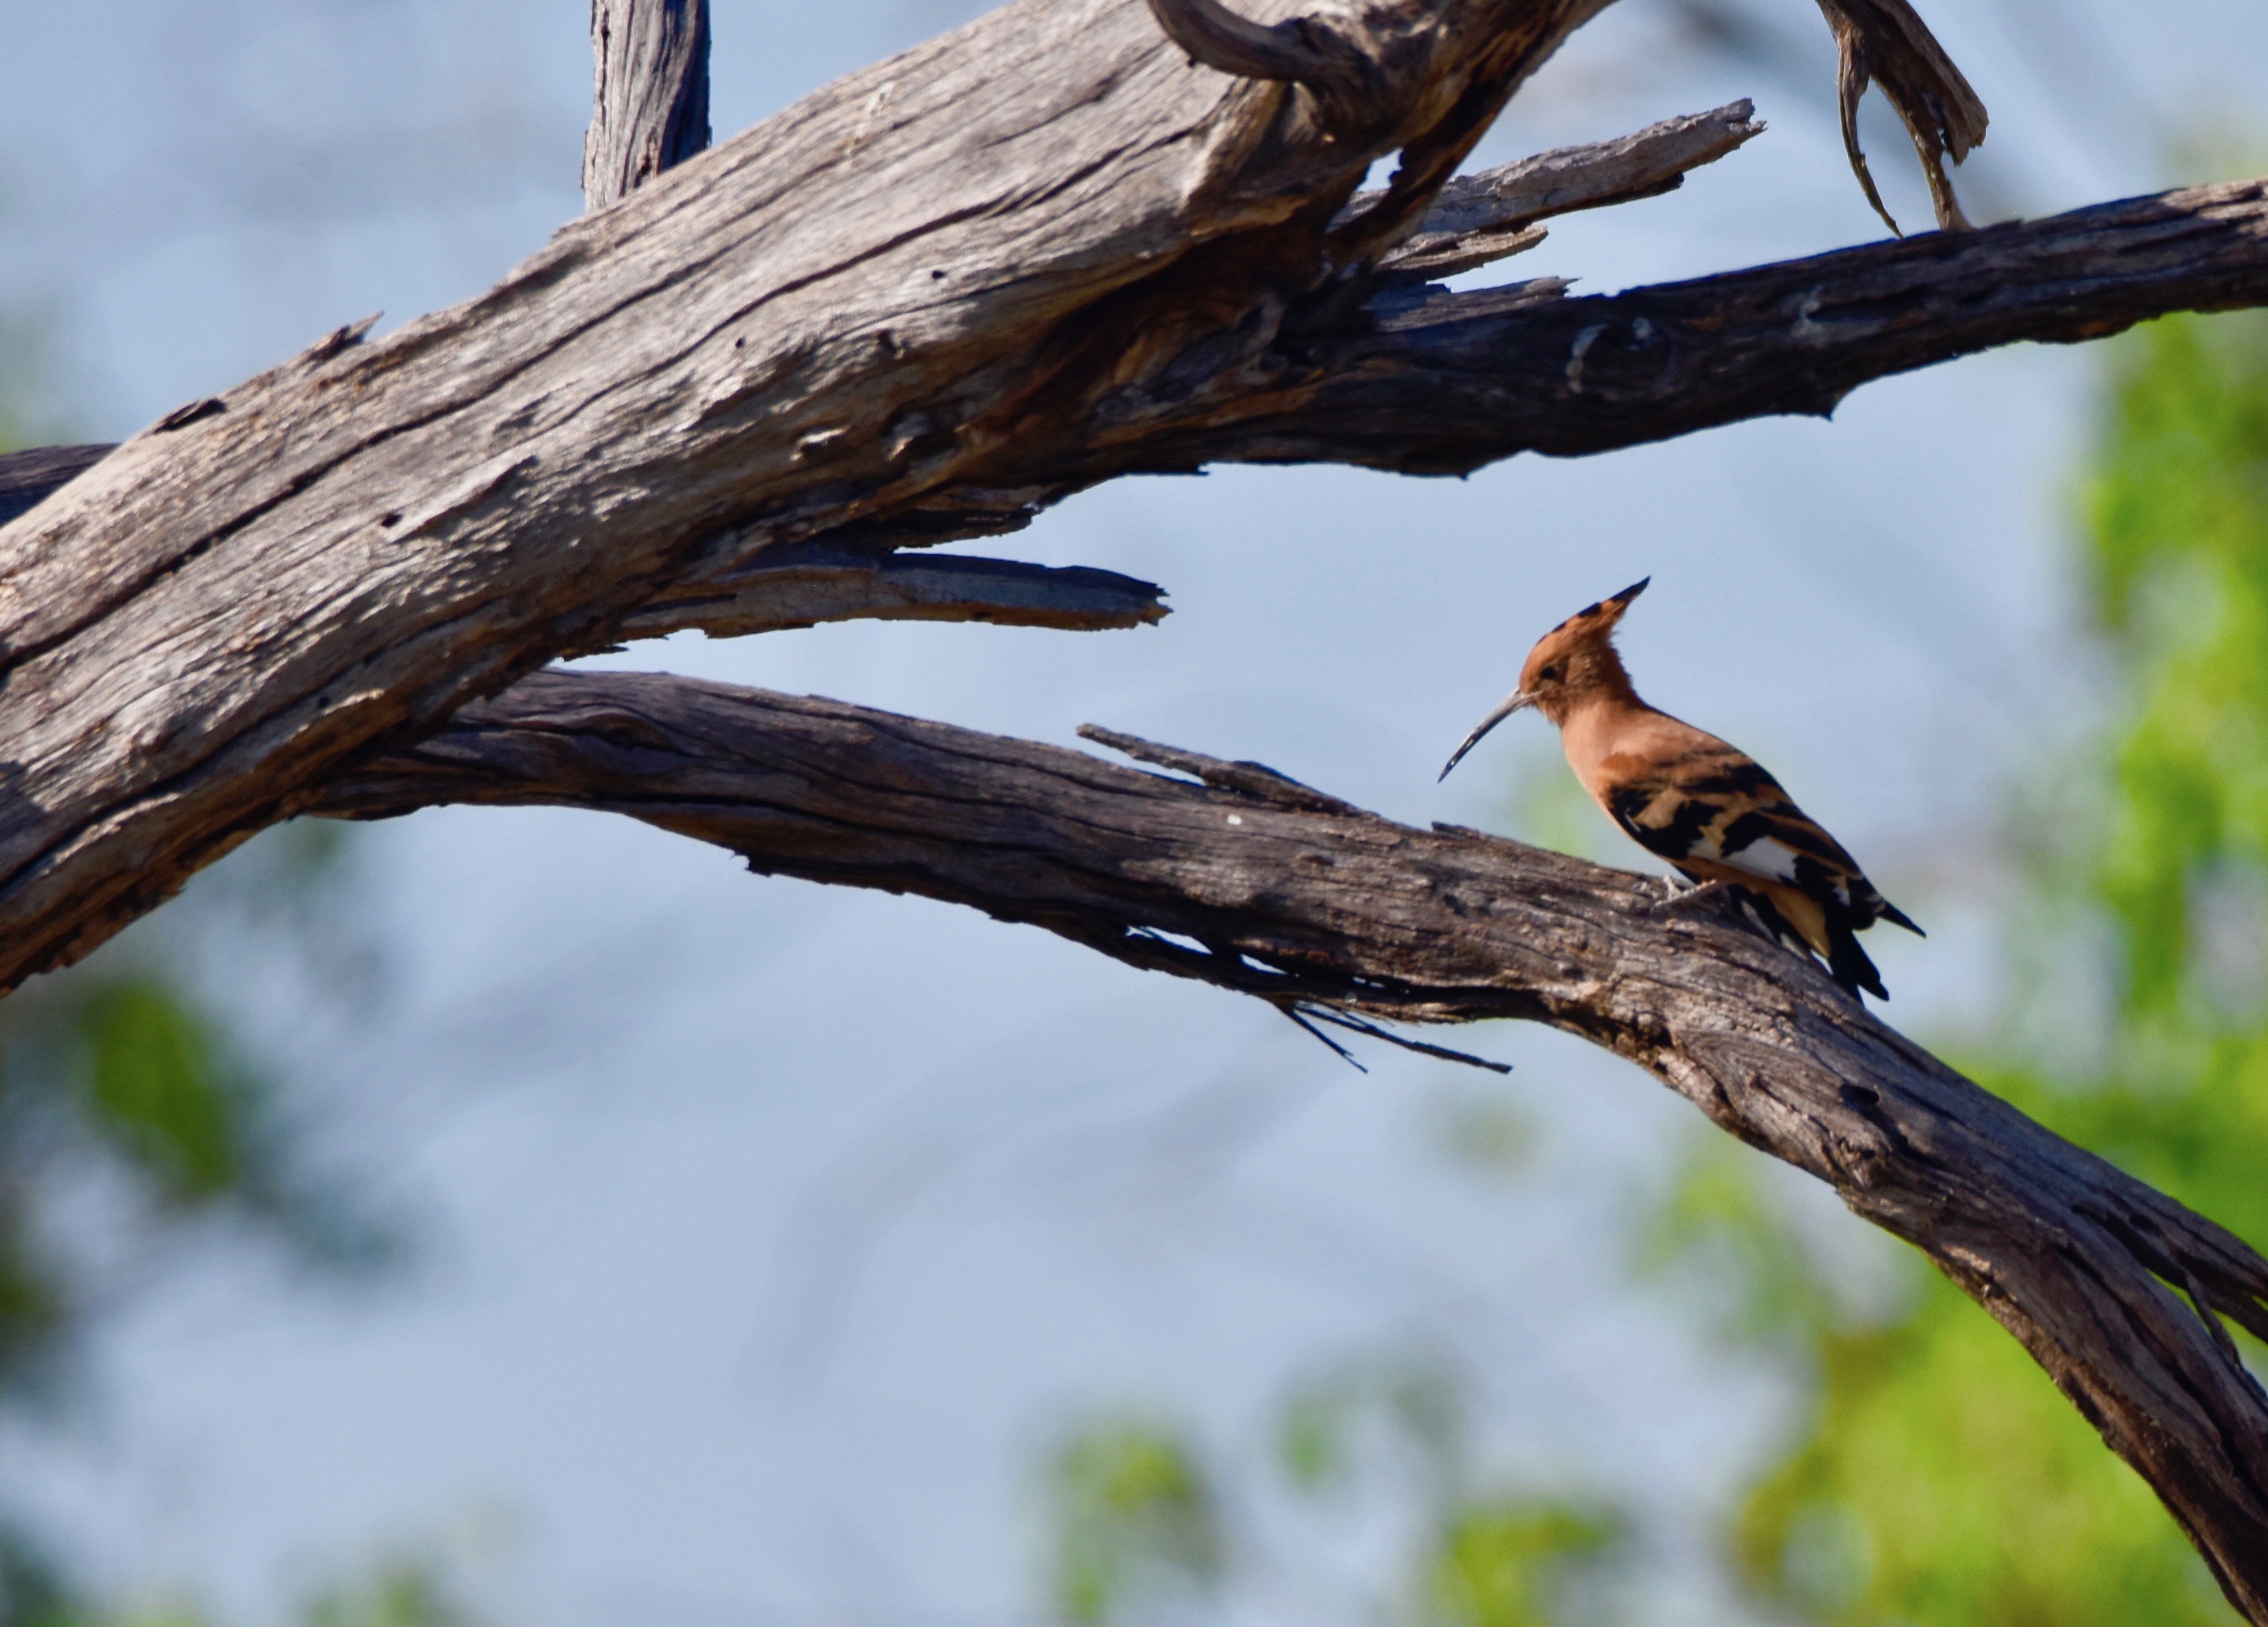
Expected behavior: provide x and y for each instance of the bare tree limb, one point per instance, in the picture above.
(156, 742)
(1442, 383)
(1039, 253)
(650, 93)
(1427, 381)
(1257, 884)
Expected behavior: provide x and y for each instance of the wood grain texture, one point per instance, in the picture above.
(649, 96)
(1427, 381)
(1302, 899)
(857, 301)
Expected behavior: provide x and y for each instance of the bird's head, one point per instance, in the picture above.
(1570, 663)
(1577, 659)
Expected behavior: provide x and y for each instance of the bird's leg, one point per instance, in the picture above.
(1684, 897)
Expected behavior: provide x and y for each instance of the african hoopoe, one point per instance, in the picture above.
(1709, 810)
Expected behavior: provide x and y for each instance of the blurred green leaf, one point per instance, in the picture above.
(1413, 1401)
(1487, 1130)
(160, 1094)
(1136, 1523)
(1719, 1230)
(1941, 1478)
(399, 1591)
(1311, 1436)
(32, 1309)
(1511, 1561)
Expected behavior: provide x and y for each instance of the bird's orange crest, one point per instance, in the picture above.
(1577, 659)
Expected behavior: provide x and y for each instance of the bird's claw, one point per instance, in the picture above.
(1676, 897)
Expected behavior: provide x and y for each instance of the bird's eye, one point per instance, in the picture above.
(1551, 675)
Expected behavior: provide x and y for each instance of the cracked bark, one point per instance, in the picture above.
(1305, 902)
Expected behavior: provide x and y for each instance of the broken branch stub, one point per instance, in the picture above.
(1887, 42)
(1347, 61)
(649, 96)
(1476, 219)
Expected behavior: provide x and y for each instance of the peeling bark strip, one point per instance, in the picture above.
(1303, 900)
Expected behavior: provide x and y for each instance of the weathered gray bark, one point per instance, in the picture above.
(886, 289)
(650, 93)
(1317, 906)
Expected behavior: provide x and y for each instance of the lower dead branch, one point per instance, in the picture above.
(1255, 883)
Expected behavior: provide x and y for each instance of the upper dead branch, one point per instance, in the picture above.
(650, 93)
(814, 325)
(1436, 382)
(1304, 901)
(1886, 42)
(1429, 382)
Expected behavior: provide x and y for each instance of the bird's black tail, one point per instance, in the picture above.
(1848, 963)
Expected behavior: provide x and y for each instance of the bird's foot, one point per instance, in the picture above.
(1684, 897)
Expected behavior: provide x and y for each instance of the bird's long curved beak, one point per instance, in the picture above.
(1518, 699)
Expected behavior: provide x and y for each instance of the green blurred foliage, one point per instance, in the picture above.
(28, 414)
(159, 1093)
(1412, 1401)
(1508, 1562)
(398, 1590)
(1134, 1520)
(1940, 1477)
(1138, 1530)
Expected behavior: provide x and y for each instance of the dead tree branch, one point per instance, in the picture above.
(806, 583)
(1257, 884)
(1427, 381)
(189, 642)
(1483, 217)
